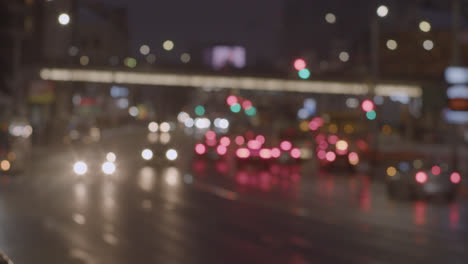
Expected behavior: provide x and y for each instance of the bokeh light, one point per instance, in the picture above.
(392, 44)
(144, 49)
(299, 64)
(147, 154)
(111, 157)
(63, 19)
(382, 11)
(231, 100)
(330, 18)
(168, 45)
(421, 177)
(108, 168)
(391, 171)
(5, 165)
(304, 74)
(80, 168)
(371, 115)
(171, 154)
(200, 149)
(424, 26)
(199, 110)
(235, 108)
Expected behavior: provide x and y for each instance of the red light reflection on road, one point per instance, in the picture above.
(222, 167)
(419, 209)
(454, 216)
(199, 167)
(365, 202)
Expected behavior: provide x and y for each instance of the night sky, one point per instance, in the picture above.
(190, 23)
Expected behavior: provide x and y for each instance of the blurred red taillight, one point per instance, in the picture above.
(221, 150)
(200, 149)
(421, 177)
(243, 153)
(295, 153)
(455, 177)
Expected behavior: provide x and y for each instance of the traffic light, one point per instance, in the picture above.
(299, 64)
(304, 74)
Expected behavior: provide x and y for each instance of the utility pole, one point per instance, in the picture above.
(456, 8)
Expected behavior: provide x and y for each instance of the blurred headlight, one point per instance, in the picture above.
(171, 154)
(5, 165)
(153, 127)
(111, 157)
(108, 168)
(147, 154)
(80, 168)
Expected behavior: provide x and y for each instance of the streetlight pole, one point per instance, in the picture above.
(382, 11)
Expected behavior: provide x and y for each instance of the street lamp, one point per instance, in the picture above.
(382, 11)
(64, 19)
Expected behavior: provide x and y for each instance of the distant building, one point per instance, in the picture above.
(97, 34)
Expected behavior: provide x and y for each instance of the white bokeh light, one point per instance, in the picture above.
(108, 168)
(147, 154)
(64, 19)
(171, 154)
(382, 11)
(111, 157)
(80, 168)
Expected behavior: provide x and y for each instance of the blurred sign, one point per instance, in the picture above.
(456, 75)
(458, 104)
(457, 94)
(455, 117)
(220, 57)
(118, 91)
(41, 92)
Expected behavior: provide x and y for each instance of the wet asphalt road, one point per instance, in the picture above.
(204, 211)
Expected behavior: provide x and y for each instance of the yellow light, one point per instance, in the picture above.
(84, 60)
(5, 165)
(391, 171)
(304, 126)
(341, 145)
(168, 45)
(392, 44)
(332, 128)
(348, 129)
(386, 129)
(425, 26)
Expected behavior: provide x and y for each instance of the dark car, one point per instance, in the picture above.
(418, 180)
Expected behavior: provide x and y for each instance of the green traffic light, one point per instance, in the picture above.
(236, 108)
(304, 74)
(251, 111)
(200, 110)
(371, 115)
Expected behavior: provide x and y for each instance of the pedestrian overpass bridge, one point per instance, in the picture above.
(228, 82)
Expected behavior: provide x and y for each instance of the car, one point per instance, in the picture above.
(82, 131)
(418, 180)
(335, 154)
(15, 145)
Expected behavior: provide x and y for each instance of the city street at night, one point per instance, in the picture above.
(212, 132)
(170, 213)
